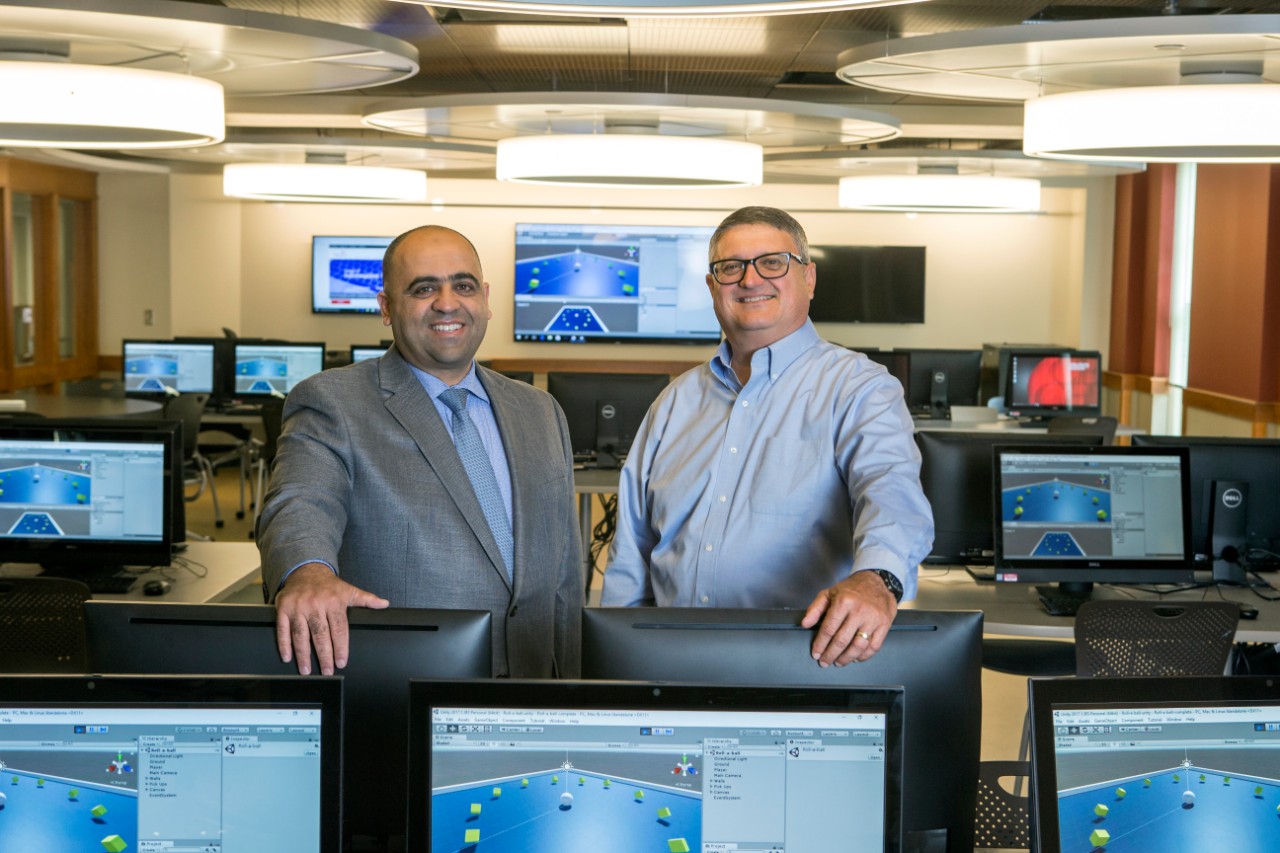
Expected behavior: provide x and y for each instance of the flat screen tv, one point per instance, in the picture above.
(1043, 384)
(79, 497)
(346, 274)
(935, 655)
(613, 284)
(868, 284)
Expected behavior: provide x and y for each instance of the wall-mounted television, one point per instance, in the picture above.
(613, 284)
(868, 284)
(346, 274)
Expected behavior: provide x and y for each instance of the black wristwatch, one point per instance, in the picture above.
(891, 582)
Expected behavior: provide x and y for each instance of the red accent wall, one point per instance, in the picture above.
(1141, 270)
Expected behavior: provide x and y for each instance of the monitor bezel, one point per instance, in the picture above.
(207, 691)
(921, 367)
(526, 336)
(85, 553)
(510, 693)
(321, 307)
(1039, 410)
(372, 348)
(1081, 570)
(215, 374)
(1047, 694)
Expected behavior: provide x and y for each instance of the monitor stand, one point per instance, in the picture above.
(1064, 598)
(939, 409)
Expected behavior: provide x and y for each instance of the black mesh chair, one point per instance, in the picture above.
(1002, 819)
(42, 626)
(1135, 638)
(265, 453)
(197, 469)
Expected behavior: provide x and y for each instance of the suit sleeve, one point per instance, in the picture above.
(304, 512)
(569, 591)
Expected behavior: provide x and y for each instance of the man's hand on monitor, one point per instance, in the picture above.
(311, 612)
(855, 616)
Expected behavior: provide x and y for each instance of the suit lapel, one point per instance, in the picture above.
(408, 402)
(506, 411)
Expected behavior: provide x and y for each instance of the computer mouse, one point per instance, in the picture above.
(1248, 612)
(156, 587)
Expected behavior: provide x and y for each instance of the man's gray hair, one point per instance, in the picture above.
(771, 216)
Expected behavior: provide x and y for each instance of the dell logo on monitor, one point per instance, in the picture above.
(1232, 498)
(608, 411)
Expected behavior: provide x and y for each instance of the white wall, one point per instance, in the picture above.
(246, 265)
(133, 258)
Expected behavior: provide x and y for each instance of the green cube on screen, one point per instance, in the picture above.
(1101, 810)
(475, 808)
(678, 845)
(98, 811)
(471, 836)
(1099, 837)
(113, 844)
(664, 812)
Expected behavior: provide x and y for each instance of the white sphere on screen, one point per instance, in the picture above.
(566, 799)
(1188, 798)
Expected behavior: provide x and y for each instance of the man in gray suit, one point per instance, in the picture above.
(371, 504)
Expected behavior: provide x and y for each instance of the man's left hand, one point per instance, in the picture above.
(858, 612)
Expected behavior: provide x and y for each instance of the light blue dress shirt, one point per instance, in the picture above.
(480, 411)
(765, 494)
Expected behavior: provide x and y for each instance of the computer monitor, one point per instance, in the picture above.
(1235, 498)
(168, 367)
(224, 365)
(346, 274)
(897, 362)
(1079, 515)
(604, 410)
(935, 655)
(955, 473)
(613, 284)
(75, 496)
(942, 378)
(273, 368)
(1180, 765)
(362, 352)
(1043, 384)
(574, 765)
(388, 647)
(163, 763)
(868, 284)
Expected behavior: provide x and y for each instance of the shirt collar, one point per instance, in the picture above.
(436, 386)
(770, 360)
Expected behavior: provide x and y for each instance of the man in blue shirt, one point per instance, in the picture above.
(781, 474)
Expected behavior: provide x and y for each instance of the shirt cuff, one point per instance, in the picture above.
(285, 576)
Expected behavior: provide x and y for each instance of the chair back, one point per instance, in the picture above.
(1103, 425)
(42, 627)
(272, 418)
(1003, 816)
(1136, 638)
(189, 409)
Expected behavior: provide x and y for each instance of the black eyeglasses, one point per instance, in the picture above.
(772, 265)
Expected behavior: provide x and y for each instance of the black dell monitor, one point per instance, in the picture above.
(271, 369)
(1040, 384)
(897, 362)
(388, 647)
(955, 473)
(160, 368)
(1079, 515)
(77, 497)
(1179, 765)
(170, 763)
(1235, 500)
(935, 655)
(604, 410)
(942, 378)
(593, 766)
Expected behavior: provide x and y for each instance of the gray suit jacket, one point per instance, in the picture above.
(367, 479)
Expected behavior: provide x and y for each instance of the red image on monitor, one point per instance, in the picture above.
(1047, 381)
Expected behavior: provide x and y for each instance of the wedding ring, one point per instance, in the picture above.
(864, 635)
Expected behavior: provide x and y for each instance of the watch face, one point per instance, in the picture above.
(891, 582)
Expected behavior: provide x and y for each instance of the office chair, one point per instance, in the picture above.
(1135, 638)
(264, 453)
(197, 470)
(1103, 425)
(1002, 818)
(42, 627)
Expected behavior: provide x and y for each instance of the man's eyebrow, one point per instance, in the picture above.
(435, 279)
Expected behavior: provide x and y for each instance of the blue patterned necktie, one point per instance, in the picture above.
(480, 471)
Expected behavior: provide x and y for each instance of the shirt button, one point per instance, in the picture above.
(710, 547)
(745, 403)
(705, 599)
(723, 498)
(733, 450)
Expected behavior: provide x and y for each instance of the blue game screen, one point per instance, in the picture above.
(346, 274)
(511, 781)
(1176, 780)
(583, 283)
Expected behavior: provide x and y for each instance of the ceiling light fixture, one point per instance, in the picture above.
(630, 161)
(54, 104)
(940, 192)
(324, 182)
(1208, 122)
(672, 8)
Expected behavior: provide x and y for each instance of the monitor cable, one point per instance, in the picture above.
(602, 533)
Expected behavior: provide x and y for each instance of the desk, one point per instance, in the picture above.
(231, 566)
(1014, 609)
(588, 482)
(60, 406)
